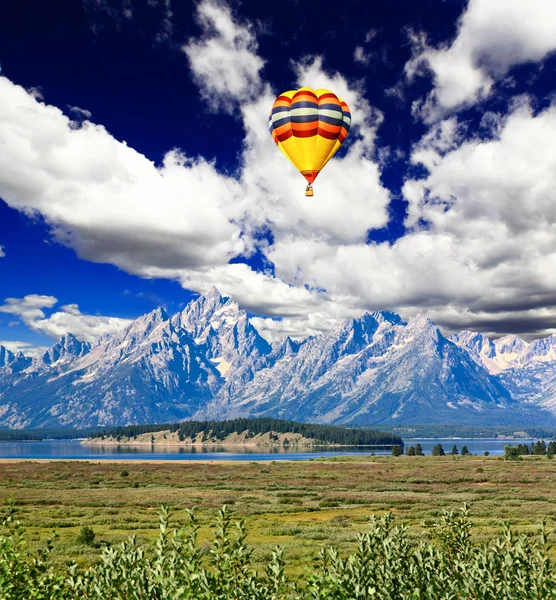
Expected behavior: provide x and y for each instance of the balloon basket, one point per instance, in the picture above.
(309, 191)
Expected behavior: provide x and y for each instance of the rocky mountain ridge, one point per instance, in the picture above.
(209, 361)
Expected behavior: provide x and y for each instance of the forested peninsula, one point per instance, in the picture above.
(248, 432)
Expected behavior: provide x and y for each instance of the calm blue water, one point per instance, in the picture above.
(69, 449)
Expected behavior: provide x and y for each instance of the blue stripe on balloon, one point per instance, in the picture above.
(278, 109)
(331, 107)
(330, 120)
(280, 122)
(305, 119)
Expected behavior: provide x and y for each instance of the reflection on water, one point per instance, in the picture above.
(68, 449)
(74, 449)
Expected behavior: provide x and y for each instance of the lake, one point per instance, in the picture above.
(72, 449)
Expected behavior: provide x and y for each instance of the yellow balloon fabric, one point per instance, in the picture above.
(309, 126)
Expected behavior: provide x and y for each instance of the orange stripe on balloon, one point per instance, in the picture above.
(330, 128)
(304, 126)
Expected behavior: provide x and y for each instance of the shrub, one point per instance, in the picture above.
(86, 536)
(124, 473)
(386, 565)
(487, 453)
(465, 451)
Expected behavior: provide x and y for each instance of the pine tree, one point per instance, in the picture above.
(397, 450)
(540, 448)
(455, 450)
(419, 450)
(511, 452)
(410, 451)
(438, 450)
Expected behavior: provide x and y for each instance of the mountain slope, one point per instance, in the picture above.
(208, 361)
(527, 370)
(375, 369)
(146, 373)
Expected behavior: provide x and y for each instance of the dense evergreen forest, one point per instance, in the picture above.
(221, 429)
(36, 435)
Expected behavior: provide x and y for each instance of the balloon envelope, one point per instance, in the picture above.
(309, 126)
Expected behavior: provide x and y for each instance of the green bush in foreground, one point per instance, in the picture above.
(385, 566)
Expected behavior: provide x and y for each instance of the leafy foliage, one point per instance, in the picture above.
(386, 565)
(86, 536)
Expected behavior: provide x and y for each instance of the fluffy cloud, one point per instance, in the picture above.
(493, 36)
(479, 251)
(108, 201)
(224, 60)
(481, 247)
(494, 203)
(2, 252)
(97, 193)
(67, 319)
(27, 348)
(28, 308)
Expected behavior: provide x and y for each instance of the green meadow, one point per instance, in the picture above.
(300, 506)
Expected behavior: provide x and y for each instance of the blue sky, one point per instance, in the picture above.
(136, 169)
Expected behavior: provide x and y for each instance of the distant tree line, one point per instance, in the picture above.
(219, 430)
(536, 449)
(36, 435)
(438, 450)
(466, 431)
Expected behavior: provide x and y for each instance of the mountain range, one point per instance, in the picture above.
(209, 361)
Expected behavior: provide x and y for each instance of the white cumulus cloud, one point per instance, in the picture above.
(26, 348)
(68, 319)
(492, 37)
(224, 60)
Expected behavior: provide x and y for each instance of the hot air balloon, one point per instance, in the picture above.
(309, 126)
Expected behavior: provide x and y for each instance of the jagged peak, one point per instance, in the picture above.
(158, 315)
(385, 316)
(213, 294)
(6, 356)
(467, 335)
(421, 321)
(510, 343)
(67, 345)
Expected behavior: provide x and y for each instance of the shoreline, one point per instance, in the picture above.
(231, 445)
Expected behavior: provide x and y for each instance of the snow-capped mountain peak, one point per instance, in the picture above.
(6, 357)
(210, 361)
(68, 347)
(510, 345)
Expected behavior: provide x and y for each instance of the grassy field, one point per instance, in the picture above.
(299, 506)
